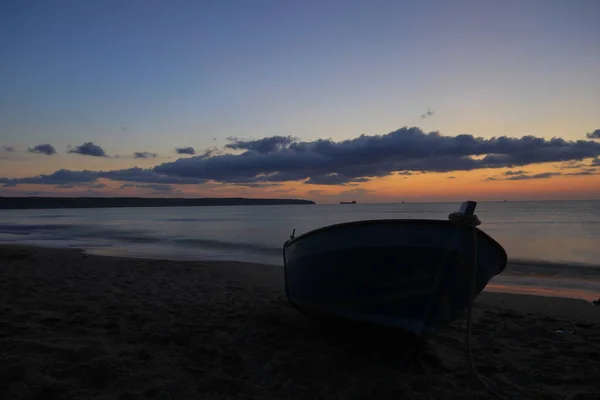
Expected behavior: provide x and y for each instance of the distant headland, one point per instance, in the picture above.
(106, 202)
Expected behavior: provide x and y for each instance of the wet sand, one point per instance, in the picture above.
(76, 326)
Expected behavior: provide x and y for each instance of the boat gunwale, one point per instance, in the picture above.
(393, 221)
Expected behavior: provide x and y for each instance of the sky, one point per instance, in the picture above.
(374, 101)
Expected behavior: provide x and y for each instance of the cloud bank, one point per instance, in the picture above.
(46, 149)
(405, 151)
(326, 162)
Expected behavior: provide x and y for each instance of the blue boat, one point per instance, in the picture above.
(417, 275)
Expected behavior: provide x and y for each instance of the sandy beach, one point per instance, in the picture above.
(77, 326)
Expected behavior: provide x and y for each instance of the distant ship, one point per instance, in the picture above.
(348, 202)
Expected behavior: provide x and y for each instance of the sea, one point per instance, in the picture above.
(553, 246)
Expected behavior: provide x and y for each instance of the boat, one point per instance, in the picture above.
(411, 275)
(348, 202)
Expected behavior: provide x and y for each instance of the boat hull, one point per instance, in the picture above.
(415, 275)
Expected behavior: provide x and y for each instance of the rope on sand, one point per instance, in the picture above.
(471, 221)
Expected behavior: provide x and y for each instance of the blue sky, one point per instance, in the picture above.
(155, 75)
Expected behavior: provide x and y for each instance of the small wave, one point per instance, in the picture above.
(550, 264)
(217, 244)
(49, 216)
(534, 222)
(197, 219)
(145, 237)
(128, 236)
(90, 245)
(34, 228)
(15, 233)
(137, 239)
(519, 267)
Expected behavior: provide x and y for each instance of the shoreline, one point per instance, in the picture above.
(227, 263)
(513, 263)
(535, 277)
(79, 326)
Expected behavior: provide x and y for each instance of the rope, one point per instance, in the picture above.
(471, 221)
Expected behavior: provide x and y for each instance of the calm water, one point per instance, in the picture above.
(555, 232)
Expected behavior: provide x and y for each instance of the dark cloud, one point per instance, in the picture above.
(83, 185)
(261, 146)
(594, 135)
(9, 149)
(517, 172)
(89, 149)
(451, 177)
(65, 177)
(185, 150)
(363, 158)
(146, 176)
(428, 113)
(60, 177)
(144, 154)
(583, 173)
(213, 151)
(327, 162)
(157, 187)
(257, 184)
(595, 162)
(523, 175)
(333, 179)
(46, 149)
(570, 165)
(543, 175)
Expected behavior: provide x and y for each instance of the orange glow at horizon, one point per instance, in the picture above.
(395, 188)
